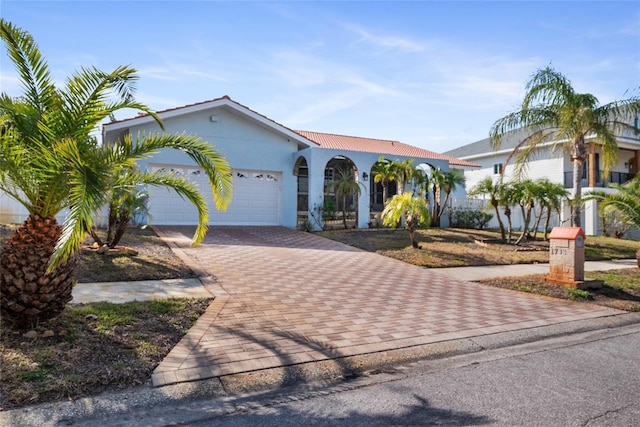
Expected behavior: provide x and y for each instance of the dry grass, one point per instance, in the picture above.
(90, 349)
(457, 247)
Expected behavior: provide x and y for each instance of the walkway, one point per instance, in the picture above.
(285, 297)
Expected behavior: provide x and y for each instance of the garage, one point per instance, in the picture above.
(257, 199)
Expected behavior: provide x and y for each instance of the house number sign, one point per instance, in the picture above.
(558, 251)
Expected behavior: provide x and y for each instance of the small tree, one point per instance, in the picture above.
(345, 185)
(413, 209)
(383, 173)
(488, 187)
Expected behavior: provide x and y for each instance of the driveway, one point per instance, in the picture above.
(285, 297)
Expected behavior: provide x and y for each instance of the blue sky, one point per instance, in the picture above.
(428, 73)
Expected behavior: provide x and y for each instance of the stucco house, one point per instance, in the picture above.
(279, 174)
(552, 163)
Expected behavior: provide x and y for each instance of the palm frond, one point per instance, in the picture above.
(32, 68)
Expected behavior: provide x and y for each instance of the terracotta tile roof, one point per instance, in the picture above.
(326, 140)
(382, 146)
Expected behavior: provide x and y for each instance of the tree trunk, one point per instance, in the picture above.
(546, 223)
(412, 234)
(121, 227)
(507, 213)
(577, 192)
(28, 293)
(344, 211)
(494, 203)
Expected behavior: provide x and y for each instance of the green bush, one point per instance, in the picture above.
(469, 218)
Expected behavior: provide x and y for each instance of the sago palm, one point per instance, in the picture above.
(552, 111)
(49, 161)
(626, 200)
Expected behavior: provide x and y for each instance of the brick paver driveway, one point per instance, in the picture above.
(285, 297)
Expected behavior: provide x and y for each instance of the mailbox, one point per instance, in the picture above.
(566, 256)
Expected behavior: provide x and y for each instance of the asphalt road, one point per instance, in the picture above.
(589, 379)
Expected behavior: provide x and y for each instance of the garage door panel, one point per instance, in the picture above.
(256, 200)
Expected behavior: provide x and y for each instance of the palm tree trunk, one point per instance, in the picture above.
(344, 211)
(494, 203)
(537, 224)
(577, 193)
(546, 223)
(507, 213)
(123, 222)
(28, 292)
(412, 234)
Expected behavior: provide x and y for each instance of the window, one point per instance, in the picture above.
(497, 168)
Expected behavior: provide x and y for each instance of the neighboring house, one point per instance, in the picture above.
(553, 164)
(278, 173)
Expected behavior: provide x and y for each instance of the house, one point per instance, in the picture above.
(279, 174)
(552, 163)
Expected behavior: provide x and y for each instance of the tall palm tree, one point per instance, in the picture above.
(488, 187)
(343, 186)
(413, 209)
(552, 111)
(49, 161)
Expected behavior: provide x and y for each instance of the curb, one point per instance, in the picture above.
(328, 372)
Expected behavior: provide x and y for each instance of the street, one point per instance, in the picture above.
(589, 379)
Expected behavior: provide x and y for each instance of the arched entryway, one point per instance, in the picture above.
(301, 171)
(341, 188)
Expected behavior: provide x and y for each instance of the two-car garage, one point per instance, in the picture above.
(257, 199)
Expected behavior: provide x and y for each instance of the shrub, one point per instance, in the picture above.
(469, 218)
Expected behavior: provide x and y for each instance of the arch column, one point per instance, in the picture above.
(316, 196)
(364, 200)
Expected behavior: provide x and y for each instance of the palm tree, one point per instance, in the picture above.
(453, 179)
(437, 182)
(345, 185)
(553, 111)
(413, 209)
(626, 200)
(488, 187)
(403, 172)
(550, 197)
(525, 195)
(384, 172)
(49, 161)
(506, 198)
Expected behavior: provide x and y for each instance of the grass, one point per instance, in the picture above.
(458, 247)
(91, 348)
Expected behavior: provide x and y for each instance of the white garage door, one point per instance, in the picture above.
(256, 200)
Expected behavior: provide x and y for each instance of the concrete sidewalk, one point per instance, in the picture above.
(119, 292)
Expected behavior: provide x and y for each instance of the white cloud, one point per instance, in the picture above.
(386, 42)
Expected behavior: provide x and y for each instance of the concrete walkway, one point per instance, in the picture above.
(285, 298)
